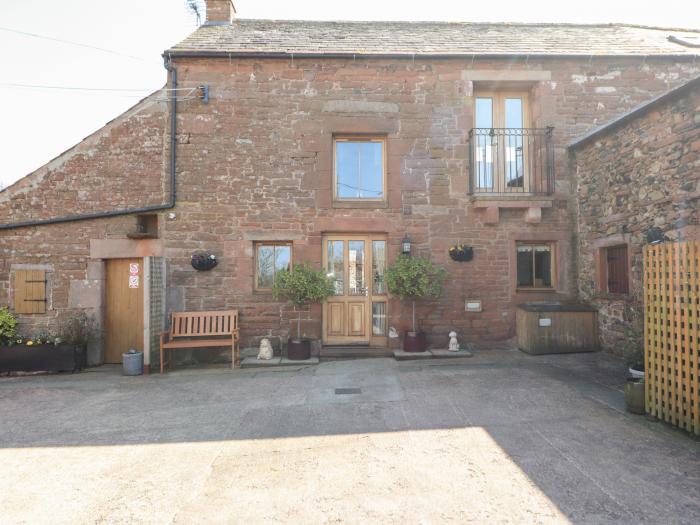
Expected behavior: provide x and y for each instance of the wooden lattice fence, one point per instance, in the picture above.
(672, 332)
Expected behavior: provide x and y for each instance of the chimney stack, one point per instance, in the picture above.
(220, 12)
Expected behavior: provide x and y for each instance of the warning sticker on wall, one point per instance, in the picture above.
(133, 281)
(134, 269)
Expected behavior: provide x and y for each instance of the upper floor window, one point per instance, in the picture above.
(501, 154)
(535, 268)
(359, 169)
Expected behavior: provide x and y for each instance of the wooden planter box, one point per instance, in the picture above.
(42, 358)
(556, 328)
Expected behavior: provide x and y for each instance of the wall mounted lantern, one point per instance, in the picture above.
(406, 245)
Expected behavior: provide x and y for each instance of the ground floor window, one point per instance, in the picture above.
(270, 258)
(535, 268)
(615, 266)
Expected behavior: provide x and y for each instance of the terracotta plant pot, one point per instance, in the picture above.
(414, 342)
(634, 396)
(298, 349)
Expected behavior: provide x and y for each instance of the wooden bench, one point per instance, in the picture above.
(202, 330)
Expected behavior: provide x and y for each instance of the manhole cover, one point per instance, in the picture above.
(341, 391)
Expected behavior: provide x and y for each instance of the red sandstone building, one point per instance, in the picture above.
(330, 142)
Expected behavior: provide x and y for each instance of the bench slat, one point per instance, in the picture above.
(196, 324)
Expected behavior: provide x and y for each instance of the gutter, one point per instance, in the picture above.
(128, 211)
(635, 112)
(354, 55)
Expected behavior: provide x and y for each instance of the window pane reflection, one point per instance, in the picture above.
(359, 170)
(356, 268)
(336, 267)
(378, 267)
(379, 319)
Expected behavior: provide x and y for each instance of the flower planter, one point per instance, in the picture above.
(634, 396)
(414, 342)
(42, 358)
(203, 262)
(461, 253)
(298, 349)
(636, 373)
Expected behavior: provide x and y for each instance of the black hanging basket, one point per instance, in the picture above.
(204, 261)
(461, 253)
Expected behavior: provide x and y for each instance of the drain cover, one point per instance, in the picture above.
(341, 391)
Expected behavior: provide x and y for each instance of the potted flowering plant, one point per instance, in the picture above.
(461, 252)
(42, 352)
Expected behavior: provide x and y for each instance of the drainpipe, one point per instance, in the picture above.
(127, 211)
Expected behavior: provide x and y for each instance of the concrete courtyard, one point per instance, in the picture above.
(499, 438)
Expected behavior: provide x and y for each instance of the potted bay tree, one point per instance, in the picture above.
(414, 278)
(302, 286)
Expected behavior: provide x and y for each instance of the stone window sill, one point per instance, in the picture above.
(360, 204)
(516, 201)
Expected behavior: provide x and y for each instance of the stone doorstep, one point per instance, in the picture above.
(254, 362)
(437, 353)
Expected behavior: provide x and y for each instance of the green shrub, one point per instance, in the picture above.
(415, 278)
(79, 329)
(302, 285)
(8, 326)
(633, 350)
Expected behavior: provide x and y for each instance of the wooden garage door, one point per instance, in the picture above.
(124, 308)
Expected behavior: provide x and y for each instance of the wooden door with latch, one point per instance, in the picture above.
(123, 307)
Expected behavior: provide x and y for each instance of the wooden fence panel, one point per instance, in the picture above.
(672, 333)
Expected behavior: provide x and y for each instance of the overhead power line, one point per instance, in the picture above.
(79, 44)
(182, 94)
(81, 88)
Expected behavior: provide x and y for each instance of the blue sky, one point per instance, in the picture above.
(40, 123)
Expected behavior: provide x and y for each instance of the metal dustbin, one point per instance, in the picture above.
(132, 363)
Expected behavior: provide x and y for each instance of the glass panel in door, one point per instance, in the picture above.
(513, 120)
(356, 268)
(379, 319)
(483, 153)
(335, 268)
(378, 267)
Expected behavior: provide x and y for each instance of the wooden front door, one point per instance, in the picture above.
(124, 308)
(357, 313)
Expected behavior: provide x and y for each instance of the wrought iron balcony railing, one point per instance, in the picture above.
(511, 160)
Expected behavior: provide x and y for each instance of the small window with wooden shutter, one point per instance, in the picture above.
(30, 291)
(615, 277)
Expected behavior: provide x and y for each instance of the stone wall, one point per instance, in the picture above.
(255, 164)
(642, 175)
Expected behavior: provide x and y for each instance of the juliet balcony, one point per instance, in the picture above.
(511, 162)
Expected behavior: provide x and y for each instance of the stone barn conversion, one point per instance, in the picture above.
(331, 142)
(638, 181)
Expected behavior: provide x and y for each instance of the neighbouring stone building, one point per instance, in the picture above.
(330, 142)
(638, 179)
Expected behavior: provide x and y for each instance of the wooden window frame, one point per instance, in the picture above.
(360, 138)
(258, 244)
(553, 267)
(498, 105)
(603, 285)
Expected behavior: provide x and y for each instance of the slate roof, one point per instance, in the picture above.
(635, 112)
(300, 37)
